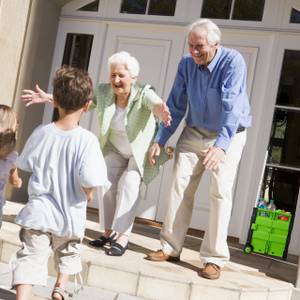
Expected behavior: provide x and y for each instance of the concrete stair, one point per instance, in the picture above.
(44, 292)
(132, 275)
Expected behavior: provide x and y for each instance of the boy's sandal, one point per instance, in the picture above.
(65, 295)
(116, 249)
(102, 240)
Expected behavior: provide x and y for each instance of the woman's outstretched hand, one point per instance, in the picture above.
(162, 111)
(37, 96)
(153, 153)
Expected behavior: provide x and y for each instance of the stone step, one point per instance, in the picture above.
(131, 274)
(44, 292)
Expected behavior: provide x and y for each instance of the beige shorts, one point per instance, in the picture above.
(30, 263)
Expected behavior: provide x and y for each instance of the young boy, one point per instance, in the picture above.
(66, 164)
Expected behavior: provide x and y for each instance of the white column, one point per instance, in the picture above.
(13, 25)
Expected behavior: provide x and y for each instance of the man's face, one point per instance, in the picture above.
(201, 51)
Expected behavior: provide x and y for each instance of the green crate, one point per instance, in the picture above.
(268, 232)
(279, 233)
(259, 241)
(276, 245)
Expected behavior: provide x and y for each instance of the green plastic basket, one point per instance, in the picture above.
(269, 232)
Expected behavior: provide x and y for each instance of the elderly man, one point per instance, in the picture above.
(211, 85)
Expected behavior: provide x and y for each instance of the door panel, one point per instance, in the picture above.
(201, 202)
(158, 51)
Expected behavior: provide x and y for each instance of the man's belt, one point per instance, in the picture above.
(240, 129)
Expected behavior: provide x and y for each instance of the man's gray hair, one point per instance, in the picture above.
(213, 31)
(124, 58)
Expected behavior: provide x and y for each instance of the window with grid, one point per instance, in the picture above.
(244, 10)
(92, 6)
(295, 16)
(281, 180)
(149, 7)
(77, 54)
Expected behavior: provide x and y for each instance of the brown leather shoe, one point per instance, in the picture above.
(210, 271)
(159, 255)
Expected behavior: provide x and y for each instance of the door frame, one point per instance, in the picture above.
(282, 41)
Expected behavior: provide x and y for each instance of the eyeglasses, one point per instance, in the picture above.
(200, 47)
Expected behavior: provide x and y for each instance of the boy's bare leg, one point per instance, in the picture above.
(23, 291)
(61, 282)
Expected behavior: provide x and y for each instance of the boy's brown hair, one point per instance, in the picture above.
(72, 88)
(8, 127)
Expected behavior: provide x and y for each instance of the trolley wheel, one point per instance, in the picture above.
(248, 249)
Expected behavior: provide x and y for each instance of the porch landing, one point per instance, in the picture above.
(133, 275)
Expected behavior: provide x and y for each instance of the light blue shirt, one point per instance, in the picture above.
(215, 97)
(61, 163)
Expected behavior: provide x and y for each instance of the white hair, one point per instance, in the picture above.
(213, 31)
(124, 58)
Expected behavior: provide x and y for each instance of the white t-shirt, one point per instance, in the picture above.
(61, 162)
(118, 135)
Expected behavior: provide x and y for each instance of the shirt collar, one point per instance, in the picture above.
(133, 92)
(214, 61)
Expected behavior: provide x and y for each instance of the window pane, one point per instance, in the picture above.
(76, 54)
(162, 7)
(216, 9)
(295, 16)
(284, 147)
(289, 85)
(248, 10)
(93, 6)
(78, 50)
(133, 6)
(282, 186)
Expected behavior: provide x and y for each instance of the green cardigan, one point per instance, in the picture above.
(139, 122)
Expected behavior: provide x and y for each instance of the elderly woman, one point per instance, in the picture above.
(126, 113)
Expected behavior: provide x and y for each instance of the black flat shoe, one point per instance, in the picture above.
(102, 241)
(116, 249)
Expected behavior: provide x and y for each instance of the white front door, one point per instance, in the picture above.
(158, 50)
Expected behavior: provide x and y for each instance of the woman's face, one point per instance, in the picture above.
(120, 80)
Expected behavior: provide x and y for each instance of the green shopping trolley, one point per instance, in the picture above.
(269, 232)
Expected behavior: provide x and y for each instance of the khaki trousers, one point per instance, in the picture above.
(188, 170)
(30, 263)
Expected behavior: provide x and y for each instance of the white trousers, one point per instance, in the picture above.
(119, 203)
(188, 170)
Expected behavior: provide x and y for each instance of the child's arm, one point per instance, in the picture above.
(89, 193)
(14, 178)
